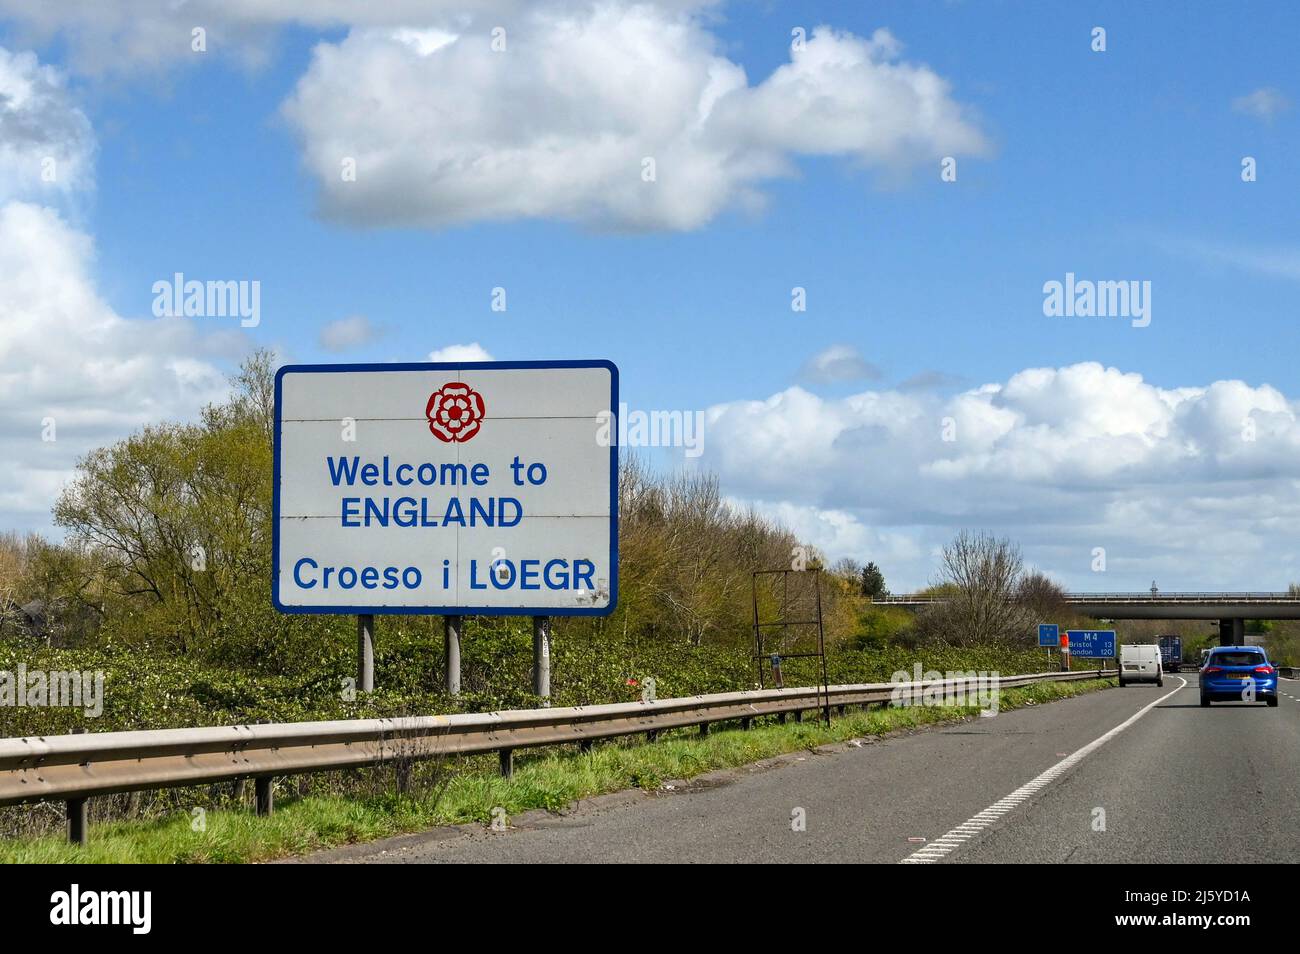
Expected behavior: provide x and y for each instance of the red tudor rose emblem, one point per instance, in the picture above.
(454, 412)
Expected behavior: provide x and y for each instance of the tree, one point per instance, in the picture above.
(1042, 596)
(14, 559)
(984, 573)
(873, 582)
(181, 513)
(687, 557)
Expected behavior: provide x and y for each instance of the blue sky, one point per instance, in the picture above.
(1116, 165)
(1103, 161)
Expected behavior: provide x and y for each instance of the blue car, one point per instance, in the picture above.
(1238, 674)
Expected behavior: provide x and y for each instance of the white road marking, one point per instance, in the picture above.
(939, 848)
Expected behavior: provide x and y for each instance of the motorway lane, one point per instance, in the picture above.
(1184, 784)
(1168, 775)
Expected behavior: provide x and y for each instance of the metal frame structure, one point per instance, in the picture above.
(759, 626)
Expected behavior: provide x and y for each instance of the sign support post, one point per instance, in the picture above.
(451, 646)
(542, 658)
(1049, 635)
(365, 652)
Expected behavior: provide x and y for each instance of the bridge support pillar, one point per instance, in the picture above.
(1232, 632)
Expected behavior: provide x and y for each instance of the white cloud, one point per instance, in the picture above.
(560, 124)
(346, 334)
(66, 357)
(453, 354)
(836, 364)
(74, 374)
(47, 146)
(840, 532)
(1195, 485)
(115, 36)
(1265, 103)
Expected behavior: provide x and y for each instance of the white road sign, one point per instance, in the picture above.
(471, 488)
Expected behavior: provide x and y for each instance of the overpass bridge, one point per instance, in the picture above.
(1230, 609)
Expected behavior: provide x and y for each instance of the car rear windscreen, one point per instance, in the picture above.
(1236, 659)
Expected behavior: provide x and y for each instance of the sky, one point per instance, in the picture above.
(385, 172)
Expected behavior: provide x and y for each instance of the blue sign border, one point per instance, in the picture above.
(451, 610)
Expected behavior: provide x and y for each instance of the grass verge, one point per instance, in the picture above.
(551, 781)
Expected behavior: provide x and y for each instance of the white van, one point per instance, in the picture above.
(1140, 664)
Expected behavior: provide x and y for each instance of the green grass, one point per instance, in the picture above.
(549, 781)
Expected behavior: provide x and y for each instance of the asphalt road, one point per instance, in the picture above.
(1176, 783)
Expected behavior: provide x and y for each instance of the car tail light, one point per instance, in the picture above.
(1264, 670)
(1213, 669)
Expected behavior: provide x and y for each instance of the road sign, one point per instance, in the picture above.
(1049, 634)
(1092, 643)
(475, 488)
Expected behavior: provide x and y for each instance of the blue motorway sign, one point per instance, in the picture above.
(1092, 643)
(1049, 634)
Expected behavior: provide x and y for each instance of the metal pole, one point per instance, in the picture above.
(542, 658)
(821, 646)
(452, 654)
(365, 653)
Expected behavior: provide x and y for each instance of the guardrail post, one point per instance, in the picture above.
(652, 735)
(78, 813)
(542, 658)
(365, 653)
(451, 645)
(746, 722)
(78, 820)
(704, 728)
(265, 794)
(507, 757)
(798, 715)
